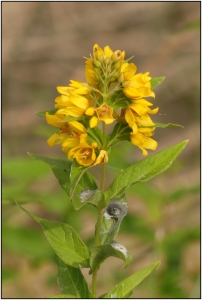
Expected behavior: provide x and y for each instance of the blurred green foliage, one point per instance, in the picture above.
(22, 178)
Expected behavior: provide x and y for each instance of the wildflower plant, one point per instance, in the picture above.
(113, 94)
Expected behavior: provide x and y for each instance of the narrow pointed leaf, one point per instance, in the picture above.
(156, 81)
(71, 281)
(101, 253)
(65, 241)
(62, 169)
(144, 170)
(43, 113)
(126, 286)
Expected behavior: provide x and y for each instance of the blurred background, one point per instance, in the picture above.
(43, 46)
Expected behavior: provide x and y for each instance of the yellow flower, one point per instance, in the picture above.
(143, 142)
(104, 113)
(84, 153)
(68, 130)
(128, 70)
(135, 86)
(136, 114)
(102, 158)
(73, 105)
(138, 86)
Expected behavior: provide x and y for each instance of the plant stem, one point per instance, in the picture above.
(99, 220)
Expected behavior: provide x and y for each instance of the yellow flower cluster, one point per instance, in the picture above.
(82, 105)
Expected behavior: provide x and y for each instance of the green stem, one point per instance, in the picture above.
(99, 220)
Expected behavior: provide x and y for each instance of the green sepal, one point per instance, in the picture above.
(120, 133)
(161, 125)
(65, 241)
(71, 281)
(60, 296)
(156, 81)
(101, 253)
(43, 113)
(125, 288)
(144, 170)
(112, 218)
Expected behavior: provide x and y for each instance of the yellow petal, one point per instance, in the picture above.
(76, 126)
(79, 101)
(90, 111)
(93, 122)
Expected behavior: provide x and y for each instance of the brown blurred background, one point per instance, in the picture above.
(43, 46)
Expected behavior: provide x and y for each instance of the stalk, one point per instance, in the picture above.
(99, 221)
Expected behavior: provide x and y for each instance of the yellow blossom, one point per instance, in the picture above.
(104, 113)
(67, 130)
(136, 114)
(143, 142)
(102, 158)
(84, 153)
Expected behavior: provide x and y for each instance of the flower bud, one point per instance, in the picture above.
(115, 75)
(98, 53)
(125, 83)
(117, 65)
(107, 60)
(121, 78)
(116, 56)
(96, 63)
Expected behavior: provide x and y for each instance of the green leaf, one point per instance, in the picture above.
(156, 81)
(61, 169)
(65, 241)
(73, 178)
(112, 218)
(144, 170)
(118, 100)
(95, 135)
(94, 197)
(101, 253)
(120, 133)
(59, 296)
(126, 286)
(81, 180)
(167, 125)
(43, 113)
(71, 281)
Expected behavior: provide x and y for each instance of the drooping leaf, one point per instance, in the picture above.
(126, 286)
(65, 241)
(112, 218)
(43, 113)
(72, 178)
(61, 169)
(120, 133)
(71, 281)
(144, 170)
(167, 125)
(100, 253)
(156, 81)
